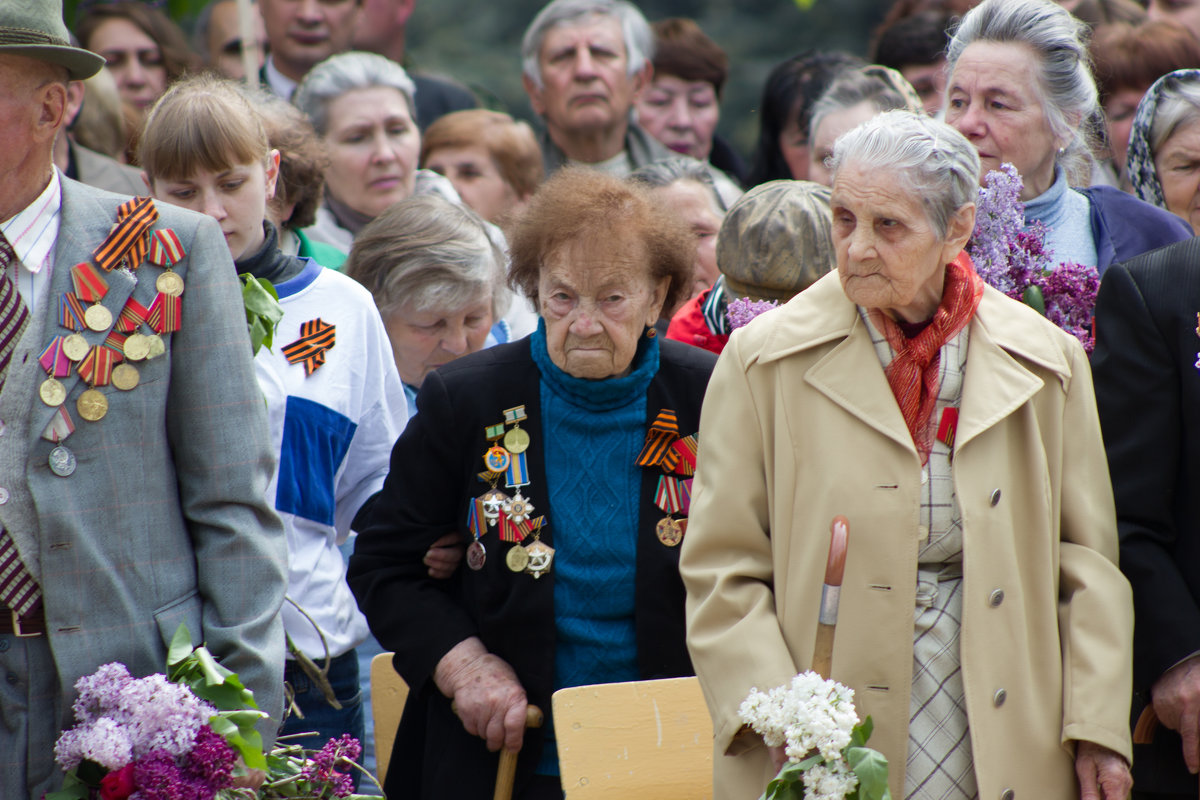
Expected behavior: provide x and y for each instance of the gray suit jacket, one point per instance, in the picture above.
(164, 519)
(97, 169)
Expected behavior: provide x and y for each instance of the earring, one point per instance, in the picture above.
(651, 331)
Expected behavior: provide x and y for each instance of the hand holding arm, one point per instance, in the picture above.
(444, 556)
(1103, 774)
(487, 696)
(1176, 698)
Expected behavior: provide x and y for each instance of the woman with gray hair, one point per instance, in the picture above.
(984, 624)
(1164, 145)
(1021, 90)
(438, 281)
(361, 105)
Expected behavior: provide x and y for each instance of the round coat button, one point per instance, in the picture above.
(999, 697)
(996, 598)
(1007, 794)
(3, 495)
(995, 497)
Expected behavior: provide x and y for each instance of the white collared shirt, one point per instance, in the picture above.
(279, 84)
(33, 233)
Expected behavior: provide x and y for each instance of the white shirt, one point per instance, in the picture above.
(33, 234)
(280, 84)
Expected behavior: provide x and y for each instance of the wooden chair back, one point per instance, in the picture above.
(388, 693)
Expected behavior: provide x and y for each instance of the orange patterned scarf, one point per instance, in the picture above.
(913, 373)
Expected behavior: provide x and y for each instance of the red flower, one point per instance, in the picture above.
(117, 785)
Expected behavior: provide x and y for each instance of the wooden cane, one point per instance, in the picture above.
(506, 773)
(835, 566)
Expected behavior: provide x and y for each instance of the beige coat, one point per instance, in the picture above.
(799, 425)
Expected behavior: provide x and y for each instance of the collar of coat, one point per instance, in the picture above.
(1012, 352)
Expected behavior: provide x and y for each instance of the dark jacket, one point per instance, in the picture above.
(433, 477)
(1124, 227)
(1148, 392)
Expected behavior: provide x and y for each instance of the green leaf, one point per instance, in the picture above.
(263, 311)
(861, 733)
(181, 646)
(72, 789)
(1033, 298)
(872, 770)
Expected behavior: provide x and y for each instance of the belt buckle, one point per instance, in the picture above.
(16, 626)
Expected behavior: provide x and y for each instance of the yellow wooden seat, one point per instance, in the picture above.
(388, 693)
(643, 740)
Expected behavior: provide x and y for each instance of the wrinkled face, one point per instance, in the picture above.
(888, 255)
(29, 120)
(695, 205)
(477, 179)
(793, 144)
(929, 81)
(585, 85)
(833, 125)
(597, 300)
(993, 100)
(1177, 163)
(422, 341)
(1185, 12)
(133, 58)
(236, 198)
(681, 114)
(225, 40)
(373, 149)
(1119, 111)
(305, 32)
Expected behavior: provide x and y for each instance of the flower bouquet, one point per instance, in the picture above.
(186, 735)
(1014, 259)
(815, 721)
(741, 311)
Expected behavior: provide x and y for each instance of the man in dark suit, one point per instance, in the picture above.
(132, 481)
(1147, 376)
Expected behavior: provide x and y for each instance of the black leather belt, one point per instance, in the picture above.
(32, 624)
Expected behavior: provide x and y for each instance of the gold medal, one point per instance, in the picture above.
(517, 559)
(541, 556)
(92, 405)
(98, 318)
(670, 532)
(75, 346)
(157, 346)
(169, 283)
(137, 346)
(52, 392)
(516, 441)
(125, 377)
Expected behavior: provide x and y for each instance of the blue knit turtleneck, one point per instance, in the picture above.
(593, 432)
(1067, 215)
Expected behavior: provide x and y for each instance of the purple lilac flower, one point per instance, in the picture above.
(100, 691)
(104, 741)
(211, 760)
(158, 777)
(162, 715)
(739, 312)
(322, 767)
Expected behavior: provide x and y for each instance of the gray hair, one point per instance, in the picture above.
(851, 88)
(667, 171)
(639, 38)
(1065, 80)
(934, 160)
(1178, 105)
(347, 72)
(428, 254)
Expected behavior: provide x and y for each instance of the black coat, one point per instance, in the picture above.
(433, 475)
(1148, 391)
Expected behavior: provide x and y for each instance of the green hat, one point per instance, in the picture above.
(35, 29)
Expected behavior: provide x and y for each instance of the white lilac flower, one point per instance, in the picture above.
(99, 692)
(830, 781)
(104, 741)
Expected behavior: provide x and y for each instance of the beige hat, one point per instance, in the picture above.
(35, 29)
(776, 240)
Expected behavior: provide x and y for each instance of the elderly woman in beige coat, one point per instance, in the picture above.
(984, 624)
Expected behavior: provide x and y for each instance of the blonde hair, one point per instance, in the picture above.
(201, 123)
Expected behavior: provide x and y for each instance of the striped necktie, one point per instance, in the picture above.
(18, 590)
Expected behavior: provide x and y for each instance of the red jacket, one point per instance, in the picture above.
(688, 326)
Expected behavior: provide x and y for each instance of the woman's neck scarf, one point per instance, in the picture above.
(1139, 160)
(913, 373)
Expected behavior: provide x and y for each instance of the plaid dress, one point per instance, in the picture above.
(940, 764)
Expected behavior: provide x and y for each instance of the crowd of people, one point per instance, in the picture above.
(473, 436)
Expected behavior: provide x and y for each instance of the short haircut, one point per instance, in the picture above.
(177, 55)
(1135, 56)
(347, 72)
(579, 204)
(870, 84)
(683, 50)
(302, 158)
(1178, 105)
(668, 171)
(635, 31)
(512, 145)
(932, 159)
(428, 254)
(915, 40)
(201, 123)
(1064, 78)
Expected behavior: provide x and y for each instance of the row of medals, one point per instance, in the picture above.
(534, 558)
(92, 405)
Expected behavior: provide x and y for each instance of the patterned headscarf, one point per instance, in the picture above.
(1142, 173)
